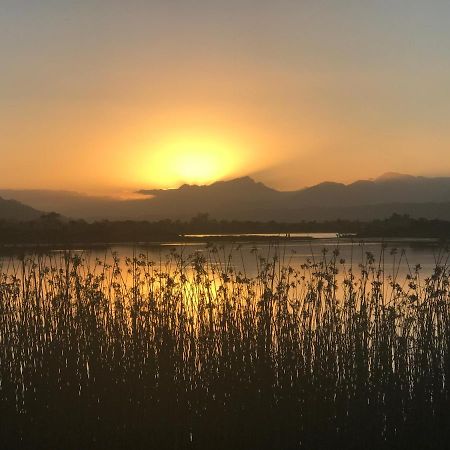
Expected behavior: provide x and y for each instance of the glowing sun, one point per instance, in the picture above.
(192, 159)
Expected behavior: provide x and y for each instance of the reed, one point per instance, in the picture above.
(192, 352)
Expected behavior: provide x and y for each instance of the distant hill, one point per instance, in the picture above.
(239, 198)
(245, 199)
(16, 211)
(389, 188)
(68, 203)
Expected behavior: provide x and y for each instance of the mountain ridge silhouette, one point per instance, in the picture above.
(15, 210)
(244, 198)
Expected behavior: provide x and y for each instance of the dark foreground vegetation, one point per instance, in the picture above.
(191, 353)
(53, 229)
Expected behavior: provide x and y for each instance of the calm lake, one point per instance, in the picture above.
(398, 256)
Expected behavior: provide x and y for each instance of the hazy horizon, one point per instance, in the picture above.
(129, 194)
(106, 97)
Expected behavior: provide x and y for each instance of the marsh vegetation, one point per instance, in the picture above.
(191, 351)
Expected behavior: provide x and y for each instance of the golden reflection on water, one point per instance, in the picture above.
(210, 277)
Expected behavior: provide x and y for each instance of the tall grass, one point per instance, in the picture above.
(192, 352)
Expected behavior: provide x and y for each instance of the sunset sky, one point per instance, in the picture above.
(104, 96)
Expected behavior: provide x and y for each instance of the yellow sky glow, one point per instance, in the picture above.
(193, 158)
(124, 97)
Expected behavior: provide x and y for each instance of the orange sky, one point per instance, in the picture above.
(104, 97)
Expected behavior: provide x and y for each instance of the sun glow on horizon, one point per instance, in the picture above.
(191, 159)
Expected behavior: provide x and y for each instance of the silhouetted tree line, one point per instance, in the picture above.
(405, 226)
(54, 229)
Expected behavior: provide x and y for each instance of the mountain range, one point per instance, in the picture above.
(245, 199)
(14, 210)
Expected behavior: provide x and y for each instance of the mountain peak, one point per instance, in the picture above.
(393, 176)
(245, 181)
(240, 180)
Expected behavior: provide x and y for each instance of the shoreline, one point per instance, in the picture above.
(216, 239)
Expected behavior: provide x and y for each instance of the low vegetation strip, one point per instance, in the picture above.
(52, 229)
(190, 352)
